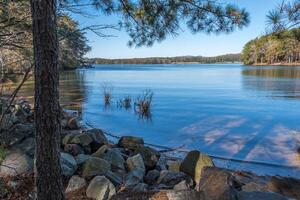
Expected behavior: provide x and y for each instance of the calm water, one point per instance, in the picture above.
(231, 111)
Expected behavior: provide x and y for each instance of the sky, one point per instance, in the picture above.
(185, 43)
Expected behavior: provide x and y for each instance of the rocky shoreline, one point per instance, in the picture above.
(96, 168)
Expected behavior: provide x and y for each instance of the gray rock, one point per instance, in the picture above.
(16, 135)
(98, 137)
(73, 149)
(115, 158)
(193, 164)
(75, 183)
(100, 188)
(150, 156)
(140, 187)
(81, 158)
(100, 152)
(115, 178)
(16, 163)
(183, 194)
(172, 178)
(151, 177)
(130, 142)
(182, 185)
(161, 163)
(134, 177)
(68, 164)
(260, 196)
(27, 146)
(135, 162)
(81, 139)
(95, 166)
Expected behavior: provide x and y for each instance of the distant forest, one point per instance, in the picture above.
(277, 48)
(228, 58)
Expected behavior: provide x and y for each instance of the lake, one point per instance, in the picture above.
(224, 110)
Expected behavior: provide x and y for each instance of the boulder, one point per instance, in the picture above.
(139, 188)
(182, 185)
(217, 184)
(16, 134)
(98, 137)
(16, 163)
(174, 166)
(193, 164)
(135, 162)
(183, 194)
(130, 142)
(115, 178)
(73, 149)
(100, 188)
(150, 156)
(81, 139)
(100, 152)
(115, 158)
(172, 178)
(94, 166)
(151, 177)
(73, 124)
(81, 158)
(68, 164)
(134, 177)
(75, 183)
(27, 146)
(260, 196)
(286, 186)
(161, 163)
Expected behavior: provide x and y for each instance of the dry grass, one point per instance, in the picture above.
(143, 103)
(125, 102)
(107, 89)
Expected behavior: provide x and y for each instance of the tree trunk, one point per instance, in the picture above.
(47, 109)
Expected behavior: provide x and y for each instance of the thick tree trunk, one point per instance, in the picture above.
(47, 109)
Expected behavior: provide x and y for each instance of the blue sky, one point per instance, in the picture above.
(185, 43)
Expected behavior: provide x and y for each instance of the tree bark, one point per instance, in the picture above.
(47, 109)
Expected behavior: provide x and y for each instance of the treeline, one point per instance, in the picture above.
(277, 48)
(229, 58)
(16, 50)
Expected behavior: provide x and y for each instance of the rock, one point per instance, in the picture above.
(184, 194)
(182, 185)
(75, 183)
(216, 184)
(8, 121)
(130, 142)
(115, 178)
(73, 124)
(16, 163)
(134, 177)
(81, 158)
(94, 166)
(100, 152)
(161, 163)
(174, 166)
(289, 187)
(81, 139)
(68, 137)
(98, 137)
(151, 177)
(193, 164)
(252, 186)
(27, 146)
(135, 162)
(100, 188)
(73, 149)
(150, 156)
(115, 158)
(68, 164)
(172, 178)
(260, 196)
(140, 187)
(16, 135)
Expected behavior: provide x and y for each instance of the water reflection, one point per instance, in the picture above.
(278, 82)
